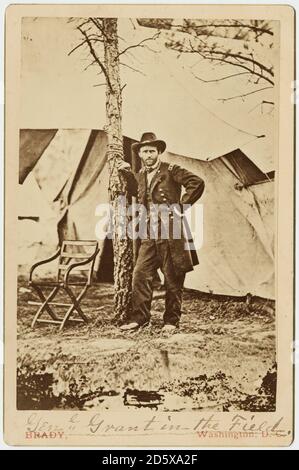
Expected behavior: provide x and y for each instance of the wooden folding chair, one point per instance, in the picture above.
(73, 257)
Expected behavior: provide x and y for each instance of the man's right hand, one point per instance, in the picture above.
(123, 166)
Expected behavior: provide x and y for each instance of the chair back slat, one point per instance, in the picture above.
(74, 251)
(76, 255)
(64, 267)
(79, 242)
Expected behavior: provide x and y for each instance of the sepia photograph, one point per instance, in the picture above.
(147, 212)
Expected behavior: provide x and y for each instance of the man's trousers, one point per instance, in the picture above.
(154, 254)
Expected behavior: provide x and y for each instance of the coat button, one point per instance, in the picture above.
(164, 199)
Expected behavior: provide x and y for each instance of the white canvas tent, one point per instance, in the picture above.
(71, 172)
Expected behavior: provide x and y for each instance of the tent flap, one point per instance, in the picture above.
(237, 254)
(31, 149)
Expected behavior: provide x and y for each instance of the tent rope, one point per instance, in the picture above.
(114, 151)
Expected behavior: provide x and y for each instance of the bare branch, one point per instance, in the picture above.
(84, 23)
(260, 30)
(150, 49)
(96, 58)
(140, 44)
(97, 24)
(199, 33)
(132, 68)
(244, 94)
(220, 79)
(236, 57)
(92, 37)
(77, 47)
(95, 37)
(90, 65)
(239, 57)
(246, 26)
(238, 65)
(207, 29)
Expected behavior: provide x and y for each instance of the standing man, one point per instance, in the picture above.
(159, 184)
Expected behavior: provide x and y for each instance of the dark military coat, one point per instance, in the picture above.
(166, 188)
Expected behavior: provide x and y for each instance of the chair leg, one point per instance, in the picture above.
(44, 305)
(75, 306)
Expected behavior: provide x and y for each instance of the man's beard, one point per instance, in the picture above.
(150, 164)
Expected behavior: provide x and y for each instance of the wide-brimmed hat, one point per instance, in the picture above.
(149, 138)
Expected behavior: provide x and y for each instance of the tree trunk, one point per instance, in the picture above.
(122, 245)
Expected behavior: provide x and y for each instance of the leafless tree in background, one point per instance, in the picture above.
(101, 40)
(223, 42)
(226, 42)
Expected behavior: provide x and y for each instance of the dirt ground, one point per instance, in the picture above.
(222, 358)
